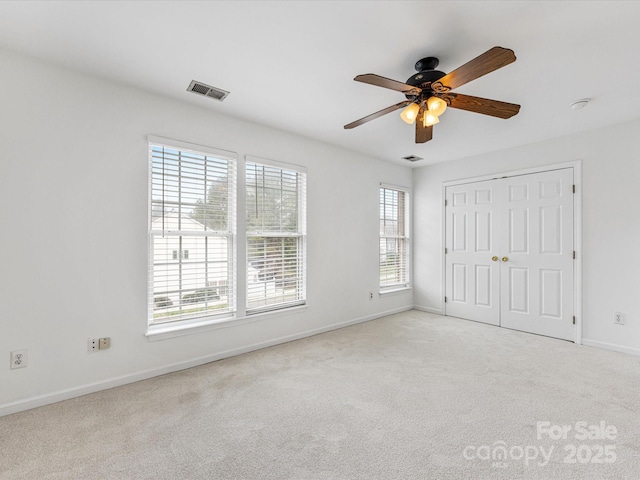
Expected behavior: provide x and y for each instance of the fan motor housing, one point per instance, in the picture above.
(424, 80)
(425, 76)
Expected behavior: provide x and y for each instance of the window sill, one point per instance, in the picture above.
(388, 291)
(163, 332)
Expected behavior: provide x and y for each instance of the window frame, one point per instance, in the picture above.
(403, 238)
(230, 234)
(300, 235)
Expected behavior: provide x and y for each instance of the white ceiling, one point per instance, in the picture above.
(290, 64)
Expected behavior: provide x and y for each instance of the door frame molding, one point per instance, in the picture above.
(577, 228)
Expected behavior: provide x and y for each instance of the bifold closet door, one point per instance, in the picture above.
(509, 257)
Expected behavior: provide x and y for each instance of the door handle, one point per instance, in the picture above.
(494, 258)
(505, 259)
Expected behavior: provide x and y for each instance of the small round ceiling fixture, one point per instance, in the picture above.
(580, 104)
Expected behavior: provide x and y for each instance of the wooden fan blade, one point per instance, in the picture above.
(423, 134)
(377, 80)
(485, 106)
(382, 112)
(491, 60)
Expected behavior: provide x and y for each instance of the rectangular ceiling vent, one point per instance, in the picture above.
(207, 90)
(412, 158)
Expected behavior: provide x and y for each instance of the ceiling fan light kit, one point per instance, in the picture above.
(435, 107)
(428, 92)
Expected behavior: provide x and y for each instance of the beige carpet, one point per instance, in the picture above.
(411, 396)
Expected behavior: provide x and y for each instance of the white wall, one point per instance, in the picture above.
(611, 225)
(73, 213)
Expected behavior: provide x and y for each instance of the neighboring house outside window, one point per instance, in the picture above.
(394, 238)
(191, 234)
(276, 235)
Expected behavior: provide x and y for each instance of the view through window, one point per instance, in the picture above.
(394, 238)
(191, 234)
(275, 199)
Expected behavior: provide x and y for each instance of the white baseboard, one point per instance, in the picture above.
(437, 311)
(46, 399)
(610, 346)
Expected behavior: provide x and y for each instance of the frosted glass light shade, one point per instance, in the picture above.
(436, 106)
(410, 113)
(430, 119)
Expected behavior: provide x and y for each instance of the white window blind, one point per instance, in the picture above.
(191, 234)
(276, 236)
(394, 238)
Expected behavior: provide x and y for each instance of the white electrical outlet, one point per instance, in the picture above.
(97, 344)
(370, 295)
(93, 345)
(618, 318)
(19, 359)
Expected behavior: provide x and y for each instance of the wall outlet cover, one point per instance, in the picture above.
(18, 359)
(92, 345)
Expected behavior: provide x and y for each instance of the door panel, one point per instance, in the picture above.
(519, 230)
(550, 287)
(483, 286)
(518, 192)
(459, 199)
(518, 288)
(483, 231)
(551, 229)
(527, 223)
(459, 283)
(459, 232)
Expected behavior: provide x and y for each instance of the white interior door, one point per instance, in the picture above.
(472, 278)
(509, 259)
(537, 277)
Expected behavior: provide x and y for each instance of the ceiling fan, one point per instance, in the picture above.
(428, 92)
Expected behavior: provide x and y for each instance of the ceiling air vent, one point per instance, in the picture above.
(207, 90)
(412, 158)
